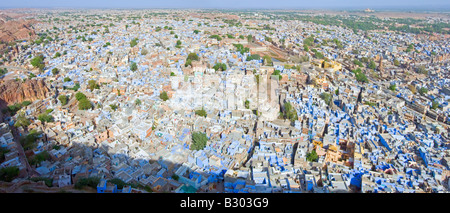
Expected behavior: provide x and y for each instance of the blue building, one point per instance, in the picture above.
(104, 187)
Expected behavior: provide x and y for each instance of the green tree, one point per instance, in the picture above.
(55, 71)
(361, 77)
(372, 104)
(22, 121)
(138, 102)
(175, 177)
(326, 97)
(308, 41)
(25, 103)
(305, 48)
(57, 54)
(45, 118)
(247, 104)
(240, 48)
(38, 62)
(192, 57)
(396, 62)
(133, 66)
(56, 147)
(92, 84)
(14, 108)
(28, 142)
(3, 71)
(278, 74)
(289, 112)
(253, 57)
(164, 96)
(220, 67)
(9, 173)
(199, 140)
(75, 88)
(120, 183)
(38, 158)
(90, 182)
(434, 104)
(144, 52)
(422, 70)
(201, 112)
(178, 44)
(312, 156)
(250, 38)
(217, 37)
(3, 151)
(48, 181)
(84, 104)
(133, 42)
(188, 63)
(298, 67)
(409, 48)
(318, 55)
(113, 107)
(267, 60)
(67, 79)
(392, 87)
(32, 75)
(357, 62)
(79, 96)
(423, 91)
(338, 43)
(372, 65)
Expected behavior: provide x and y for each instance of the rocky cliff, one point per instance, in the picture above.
(12, 91)
(16, 30)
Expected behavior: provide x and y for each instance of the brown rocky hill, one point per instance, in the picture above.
(16, 30)
(12, 91)
(28, 186)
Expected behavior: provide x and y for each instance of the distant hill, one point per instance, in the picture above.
(12, 91)
(15, 28)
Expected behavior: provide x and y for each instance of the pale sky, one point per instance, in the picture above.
(232, 4)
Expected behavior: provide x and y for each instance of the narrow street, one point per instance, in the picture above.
(22, 156)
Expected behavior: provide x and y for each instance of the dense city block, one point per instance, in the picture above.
(264, 101)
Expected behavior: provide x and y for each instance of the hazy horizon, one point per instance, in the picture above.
(417, 5)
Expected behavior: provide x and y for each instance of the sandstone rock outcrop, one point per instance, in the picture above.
(16, 30)
(12, 91)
